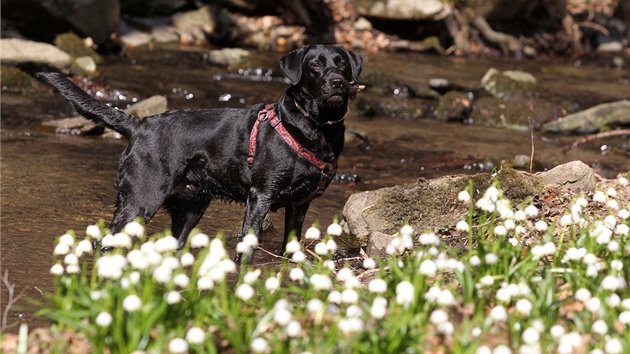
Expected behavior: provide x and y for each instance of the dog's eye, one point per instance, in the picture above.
(343, 65)
(315, 65)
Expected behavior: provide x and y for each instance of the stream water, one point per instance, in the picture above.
(52, 183)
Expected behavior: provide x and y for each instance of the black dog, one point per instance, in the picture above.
(267, 156)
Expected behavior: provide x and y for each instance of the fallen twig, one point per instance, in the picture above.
(596, 136)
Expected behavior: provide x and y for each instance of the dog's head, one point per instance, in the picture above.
(327, 75)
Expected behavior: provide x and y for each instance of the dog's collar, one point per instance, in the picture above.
(328, 169)
(330, 122)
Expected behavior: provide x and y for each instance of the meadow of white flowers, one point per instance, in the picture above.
(565, 290)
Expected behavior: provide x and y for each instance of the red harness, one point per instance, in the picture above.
(327, 169)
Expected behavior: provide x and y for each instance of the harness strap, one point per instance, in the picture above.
(327, 169)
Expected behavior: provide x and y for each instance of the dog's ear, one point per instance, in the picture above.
(356, 63)
(291, 64)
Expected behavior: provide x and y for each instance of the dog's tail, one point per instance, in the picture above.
(89, 107)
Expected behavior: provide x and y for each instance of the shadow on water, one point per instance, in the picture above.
(53, 183)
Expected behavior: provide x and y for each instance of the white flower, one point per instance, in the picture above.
(566, 220)
(321, 249)
(623, 214)
(177, 346)
(498, 313)
(199, 240)
(446, 328)
(623, 181)
(314, 305)
(227, 265)
(84, 246)
(509, 224)
(134, 229)
(594, 304)
(349, 296)
(103, 319)
(599, 197)
(610, 221)
(296, 274)
(406, 230)
(67, 239)
(475, 332)
(504, 295)
(71, 259)
(541, 225)
(57, 269)
(73, 269)
(433, 294)
(463, 196)
(582, 295)
(166, 244)
(405, 293)
(600, 327)
(438, 316)
(195, 335)
(61, 249)
(350, 325)
(428, 268)
(612, 192)
(293, 328)
(252, 276)
(334, 229)
(244, 292)
(172, 297)
(369, 263)
(187, 259)
(524, 307)
(93, 231)
(132, 303)
(622, 229)
(613, 300)
(556, 331)
(491, 258)
(531, 211)
(332, 246)
(259, 345)
(334, 297)
(377, 285)
(613, 246)
(282, 316)
(609, 283)
(272, 284)
(520, 215)
(425, 239)
(293, 246)
(205, 283)
(462, 226)
(487, 280)
(513, 241)
(162, 274)
(502, 349)
(321, 282)
(446, 298)
(483, 350)
(500, 230)
(379, 308)
(298, 257)
(474, 261)
(624, 317)
(181, 280)
(613, 346)
(612, 204)
(616, 264)
(312, 233)
(530, 336)
(329, 264)
(354, 311)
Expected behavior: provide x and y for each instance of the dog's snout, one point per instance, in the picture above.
(336, 82)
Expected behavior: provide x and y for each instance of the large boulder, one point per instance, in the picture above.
(372, 217)
(43, 19)
(21, 51)
(592, 119)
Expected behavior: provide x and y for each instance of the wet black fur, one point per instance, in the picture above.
(185, 159)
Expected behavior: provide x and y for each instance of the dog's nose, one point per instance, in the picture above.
(336, 83)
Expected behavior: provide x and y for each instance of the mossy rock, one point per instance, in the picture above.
(73, 45)
(508, 84)
(17, 81)
(514, 113)
(454, 105)
(428, 205)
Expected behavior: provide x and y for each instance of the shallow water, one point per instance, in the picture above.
(52, 183)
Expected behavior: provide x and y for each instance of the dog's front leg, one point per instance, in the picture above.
(255, 212)
(293, 221)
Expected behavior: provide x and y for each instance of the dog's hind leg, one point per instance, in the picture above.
(293, 221)
(185, 214)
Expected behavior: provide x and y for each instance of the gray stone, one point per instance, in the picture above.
(507, 84)
(378, 243)
(592, 119)
(575, 176)
(228, 56)
(83, 66)
(16, 51)
(405, 9)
